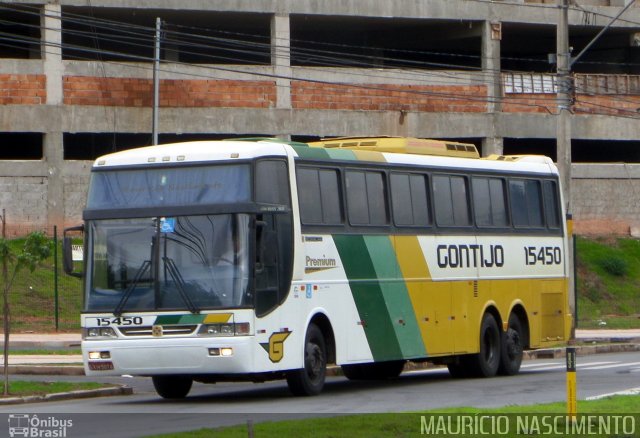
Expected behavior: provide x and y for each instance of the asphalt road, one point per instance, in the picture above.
(145, 413)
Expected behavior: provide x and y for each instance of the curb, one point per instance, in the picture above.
(581, 350)
(86, 393)
(40, 370)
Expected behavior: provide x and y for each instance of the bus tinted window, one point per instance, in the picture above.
(330, 197)
(451, 200)
(489, 202)
(409, 200)
(526, 204)
(309, 196)
(551, 204)
(319, 196)
(272, 182)
(366, 198)
(177, 186)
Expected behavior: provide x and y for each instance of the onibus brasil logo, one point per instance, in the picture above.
(32, 426)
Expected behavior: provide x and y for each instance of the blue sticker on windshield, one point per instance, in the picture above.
(167, 224)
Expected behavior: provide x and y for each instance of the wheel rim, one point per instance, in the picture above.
(314, 361)
(514, 346)
(489, 346)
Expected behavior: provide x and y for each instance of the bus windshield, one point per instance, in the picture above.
(169, 186)
(162, 263)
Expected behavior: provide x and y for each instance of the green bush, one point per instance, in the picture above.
(616, 266)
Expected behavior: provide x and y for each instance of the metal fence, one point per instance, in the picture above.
(47, 299)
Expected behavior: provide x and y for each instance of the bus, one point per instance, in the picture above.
(263, 259)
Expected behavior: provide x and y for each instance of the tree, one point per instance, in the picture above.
(36, 248)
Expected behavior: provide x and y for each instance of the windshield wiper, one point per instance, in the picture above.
(177, 278)
(127, 294)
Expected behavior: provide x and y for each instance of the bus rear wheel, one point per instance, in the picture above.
(310, 379)
(172, 386)
(373, 371)
(512, 347)
(486, 362)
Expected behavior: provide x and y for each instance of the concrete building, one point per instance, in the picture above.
(76, 82)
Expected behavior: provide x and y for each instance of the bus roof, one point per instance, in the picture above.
(390, 152)
(401, 145)
(190, 152)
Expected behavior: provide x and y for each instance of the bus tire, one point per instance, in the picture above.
(172, 386)
(487, 361)
(374, 371)
(310, 379)
(512, 347)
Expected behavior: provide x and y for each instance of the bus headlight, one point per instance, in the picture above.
(99, 355)
(98, 333)
(228, 329)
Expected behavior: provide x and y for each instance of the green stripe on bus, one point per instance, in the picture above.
(167, 319)
(191, 319)
(310, 153)
(342, 154)
(396, 296)
(368, 297)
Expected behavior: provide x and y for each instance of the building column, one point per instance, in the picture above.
(51, 49)
(281, 58)
(51, 31)
(491, 36)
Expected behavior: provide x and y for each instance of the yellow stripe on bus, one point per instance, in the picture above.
(415, 272)
(217, 318)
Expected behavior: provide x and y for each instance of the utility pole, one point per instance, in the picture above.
(564, 100)
(156, 82)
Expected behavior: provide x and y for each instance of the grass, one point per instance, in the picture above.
(608, 281)
(25, 388)
(32, 297)
(394, 425)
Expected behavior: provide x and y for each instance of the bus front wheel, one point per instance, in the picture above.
(172, 386)
(486, 362)
(310, 379)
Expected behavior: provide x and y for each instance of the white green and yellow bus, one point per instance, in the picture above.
(262, 259)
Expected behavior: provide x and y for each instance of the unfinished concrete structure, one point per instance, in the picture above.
(76, 82)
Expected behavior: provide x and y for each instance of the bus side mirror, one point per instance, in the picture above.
(67, 252)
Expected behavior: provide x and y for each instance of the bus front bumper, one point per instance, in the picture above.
(220, 355)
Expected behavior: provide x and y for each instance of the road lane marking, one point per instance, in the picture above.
(544, 364)
(555, 366)
(632, 391)
(603, 367)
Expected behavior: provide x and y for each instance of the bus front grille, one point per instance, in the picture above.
(167, 330)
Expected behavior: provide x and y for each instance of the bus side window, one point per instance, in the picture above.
(526, 205)
(366, 198)
(410, 199)
(551, 204)
(451, 199)
(273, 261)
(272, 182)
(319, 196)
(489, 203)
